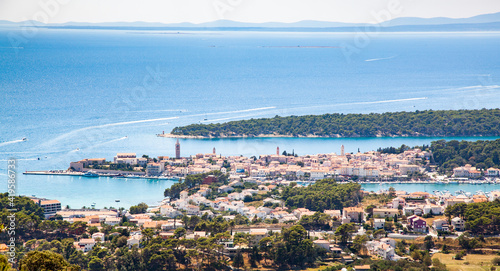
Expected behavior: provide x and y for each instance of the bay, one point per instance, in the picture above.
(80, 93)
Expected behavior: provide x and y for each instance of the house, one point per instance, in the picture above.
(365, 267)
(378, 223)
(192, 209)
(322, 244)
(458, 224)
(388, 241)
(385, 251)
(224, 189)
(385, 212)
(109, 220)
(433, 209)
(98, 237)
(169, 211)
(197, 234)
(333, 213)
(417, 223)
(256, 236)
(385, 248)
(134, 240)
(453, 201)
(355, 214)
(440, 225)
(347, 259)
(85, 244)
(335, 250)
(398, 202)
(413, 210)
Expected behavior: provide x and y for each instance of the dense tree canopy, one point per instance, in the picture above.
(324, 194)
(140, 208)
(485, 122)
(481, 154)
(480, 218)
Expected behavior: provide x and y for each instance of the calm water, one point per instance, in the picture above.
(430, 188)
(105, 92)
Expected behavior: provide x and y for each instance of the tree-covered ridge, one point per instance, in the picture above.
(485, 122)
(482, 154)
(323, 195)
(480, 218)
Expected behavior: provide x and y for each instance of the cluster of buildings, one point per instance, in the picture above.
(365, 165)
(469, 171)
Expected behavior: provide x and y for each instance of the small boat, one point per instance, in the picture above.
(24, 139)
(132, 176)
(90, 174)
(77, 149)
(117, 200)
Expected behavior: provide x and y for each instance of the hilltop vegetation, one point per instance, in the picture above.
(482, 154)
(324, 194)
(485, 122)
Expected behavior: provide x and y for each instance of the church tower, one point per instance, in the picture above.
(177, 149)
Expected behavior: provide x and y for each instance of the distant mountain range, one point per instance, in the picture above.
(480, 22)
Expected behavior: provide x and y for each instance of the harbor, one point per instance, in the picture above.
(93, 174)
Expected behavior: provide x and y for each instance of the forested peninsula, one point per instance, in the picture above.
(484, 122)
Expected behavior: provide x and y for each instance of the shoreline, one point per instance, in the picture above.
(81, 174)
(384, 182)
(169, 135)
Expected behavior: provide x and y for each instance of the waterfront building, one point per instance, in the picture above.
(126, 158)
(466, 171)
(154, 169)
(493, 172)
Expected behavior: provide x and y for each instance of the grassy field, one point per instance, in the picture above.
(475, 262)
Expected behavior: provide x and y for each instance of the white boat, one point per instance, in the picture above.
(90, 173)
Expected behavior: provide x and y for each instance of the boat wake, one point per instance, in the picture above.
(107, 142)
(377, 59)
(96, 127)
(11, 142)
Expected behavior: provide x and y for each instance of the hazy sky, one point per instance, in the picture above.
(197, 11)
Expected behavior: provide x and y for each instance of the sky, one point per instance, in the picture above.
(257, 11)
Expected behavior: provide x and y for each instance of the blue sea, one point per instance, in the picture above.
(92, 93)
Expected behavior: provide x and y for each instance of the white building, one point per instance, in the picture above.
(85, 244)
(154, 169)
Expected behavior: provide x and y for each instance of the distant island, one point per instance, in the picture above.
(484, 122)
(483, 22)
